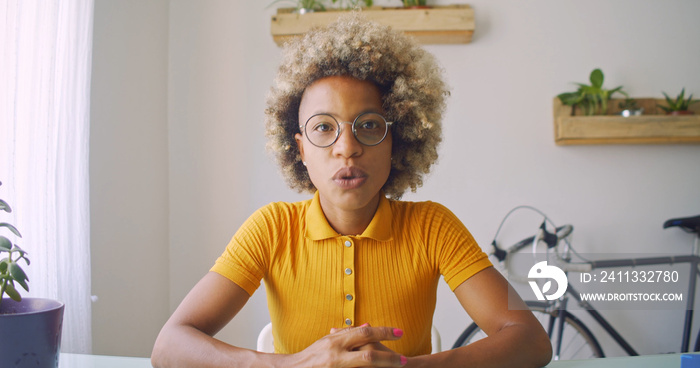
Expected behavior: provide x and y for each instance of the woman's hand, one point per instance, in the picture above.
(352, 347)
(374, 345)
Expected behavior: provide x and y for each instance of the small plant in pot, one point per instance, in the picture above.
(680, 105)
(30, 327)
(416, 4)
(629, 108)
(591, 99)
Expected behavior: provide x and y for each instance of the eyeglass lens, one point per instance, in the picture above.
(323, 130)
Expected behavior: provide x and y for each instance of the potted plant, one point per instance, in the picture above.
(352, 4)
(304, 6)
(415, 4)
(592, 99)
(311, 6)
(679, 106)
(30, 328)
(629, 108)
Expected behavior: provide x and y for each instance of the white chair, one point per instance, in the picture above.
(266, 345)
(435, 340)
(265, 342)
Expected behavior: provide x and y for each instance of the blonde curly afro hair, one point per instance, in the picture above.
(413, 95)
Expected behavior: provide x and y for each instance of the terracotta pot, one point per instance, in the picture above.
(684, 112)
(30, 333)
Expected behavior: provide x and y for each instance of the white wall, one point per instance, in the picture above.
(498, 150)
(213, 141)
(129, 175)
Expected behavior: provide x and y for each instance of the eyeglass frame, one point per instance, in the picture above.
(352, 125)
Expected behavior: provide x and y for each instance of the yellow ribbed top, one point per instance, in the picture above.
(317, 279)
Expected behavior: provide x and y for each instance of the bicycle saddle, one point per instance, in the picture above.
(689, 224)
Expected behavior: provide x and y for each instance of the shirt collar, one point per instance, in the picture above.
(318, 228)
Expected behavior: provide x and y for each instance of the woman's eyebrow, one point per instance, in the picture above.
(365, 111)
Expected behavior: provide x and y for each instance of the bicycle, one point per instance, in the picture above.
(571, 338)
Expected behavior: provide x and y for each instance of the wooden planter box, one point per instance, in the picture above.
(438, 25)
(654, 127)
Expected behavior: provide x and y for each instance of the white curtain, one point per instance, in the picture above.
(45, 64)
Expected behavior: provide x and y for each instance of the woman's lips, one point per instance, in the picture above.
(349, 178)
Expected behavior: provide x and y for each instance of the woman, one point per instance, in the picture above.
(351, 276)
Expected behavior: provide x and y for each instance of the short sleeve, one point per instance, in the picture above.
(452, 247)
(246, 258)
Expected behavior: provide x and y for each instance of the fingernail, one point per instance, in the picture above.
(366, 324)
(404, 360)
(398, 332)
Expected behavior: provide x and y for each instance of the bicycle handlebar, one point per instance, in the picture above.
(551, 239)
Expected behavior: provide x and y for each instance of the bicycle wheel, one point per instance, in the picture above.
(577, 341)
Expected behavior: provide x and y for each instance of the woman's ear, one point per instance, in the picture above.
(300, 144)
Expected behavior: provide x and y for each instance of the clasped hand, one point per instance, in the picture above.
(353, 347)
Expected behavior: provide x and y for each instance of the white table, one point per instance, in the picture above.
(647, 361)
(101, 361)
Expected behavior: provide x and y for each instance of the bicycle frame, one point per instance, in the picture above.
(693, 260)
(558, 308)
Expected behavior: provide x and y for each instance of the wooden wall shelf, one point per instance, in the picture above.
(654, 127)
(453, 24)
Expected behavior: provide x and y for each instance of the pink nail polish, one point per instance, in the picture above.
(398, 332)
(366, 324)
(404, 360)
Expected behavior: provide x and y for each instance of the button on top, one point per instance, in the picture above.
(348, 297)
(348, 321)
(348, 271)
(348, 243)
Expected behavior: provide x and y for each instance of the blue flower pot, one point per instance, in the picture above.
(30, 333)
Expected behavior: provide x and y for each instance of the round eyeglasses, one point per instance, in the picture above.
(323, 130)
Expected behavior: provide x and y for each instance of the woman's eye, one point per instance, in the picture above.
(369, 125)
(323, 127)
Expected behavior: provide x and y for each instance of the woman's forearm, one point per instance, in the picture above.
(513, 346)
(183, 346)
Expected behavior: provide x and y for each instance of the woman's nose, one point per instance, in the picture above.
(347, 145)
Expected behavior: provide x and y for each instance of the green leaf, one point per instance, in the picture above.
(4, 206)
(665, 108)
(589, 90)
(5, 244)
(597, 78)
(12, 292)
(668, 99)
(3, 266)
(12, 228)
(569, 98)
(689, 102)
(18, 275)
(617, 89)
